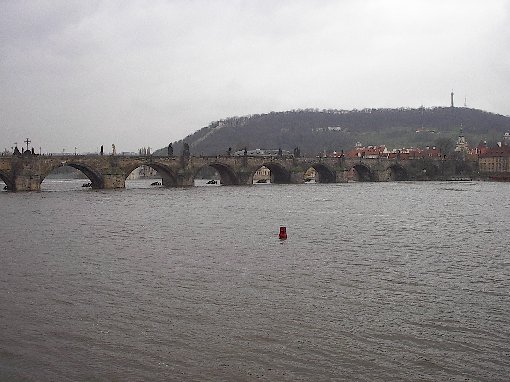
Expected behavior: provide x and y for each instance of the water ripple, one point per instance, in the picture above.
(376, 282)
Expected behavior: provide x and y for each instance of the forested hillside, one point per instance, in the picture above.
(314, 131)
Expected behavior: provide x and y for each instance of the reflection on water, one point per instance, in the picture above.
(144, 183)
(48, 185)
(376, 281)
(81, 184)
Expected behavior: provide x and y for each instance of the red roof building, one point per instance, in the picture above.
(495, 159)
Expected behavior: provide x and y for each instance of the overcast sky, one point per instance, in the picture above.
(145, 73)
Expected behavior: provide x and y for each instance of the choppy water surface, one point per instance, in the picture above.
(376, 282)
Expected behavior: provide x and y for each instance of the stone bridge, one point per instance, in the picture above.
(26, 172)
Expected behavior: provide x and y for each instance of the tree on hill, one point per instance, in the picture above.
(314, 131)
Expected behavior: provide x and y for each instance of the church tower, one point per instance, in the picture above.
(461, 145)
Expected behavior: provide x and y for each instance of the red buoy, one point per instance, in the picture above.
(283, 233)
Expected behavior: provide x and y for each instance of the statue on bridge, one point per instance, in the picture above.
(16, 151)
(170, 150)
(297, 152)
(114, 151)
(185, 150)
(102, 150)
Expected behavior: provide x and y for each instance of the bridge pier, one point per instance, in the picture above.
(379, 176)
(113, 181)
(342, 176)
(297, 177)
(184, 179)
(245, 176)
(167, 181)
(27, 183)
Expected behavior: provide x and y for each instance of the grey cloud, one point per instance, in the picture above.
(140, 73)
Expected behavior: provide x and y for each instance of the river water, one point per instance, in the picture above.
(376, 282)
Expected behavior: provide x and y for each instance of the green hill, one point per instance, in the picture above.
(314, 131)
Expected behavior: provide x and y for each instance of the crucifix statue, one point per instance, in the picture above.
(27, 141)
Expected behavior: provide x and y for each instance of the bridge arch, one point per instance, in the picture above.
(96, 180)
(227, 176)
(323, 174)
(168, 176)
(396, 172)
(7, 180)
(361, 173)
(279, 174)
